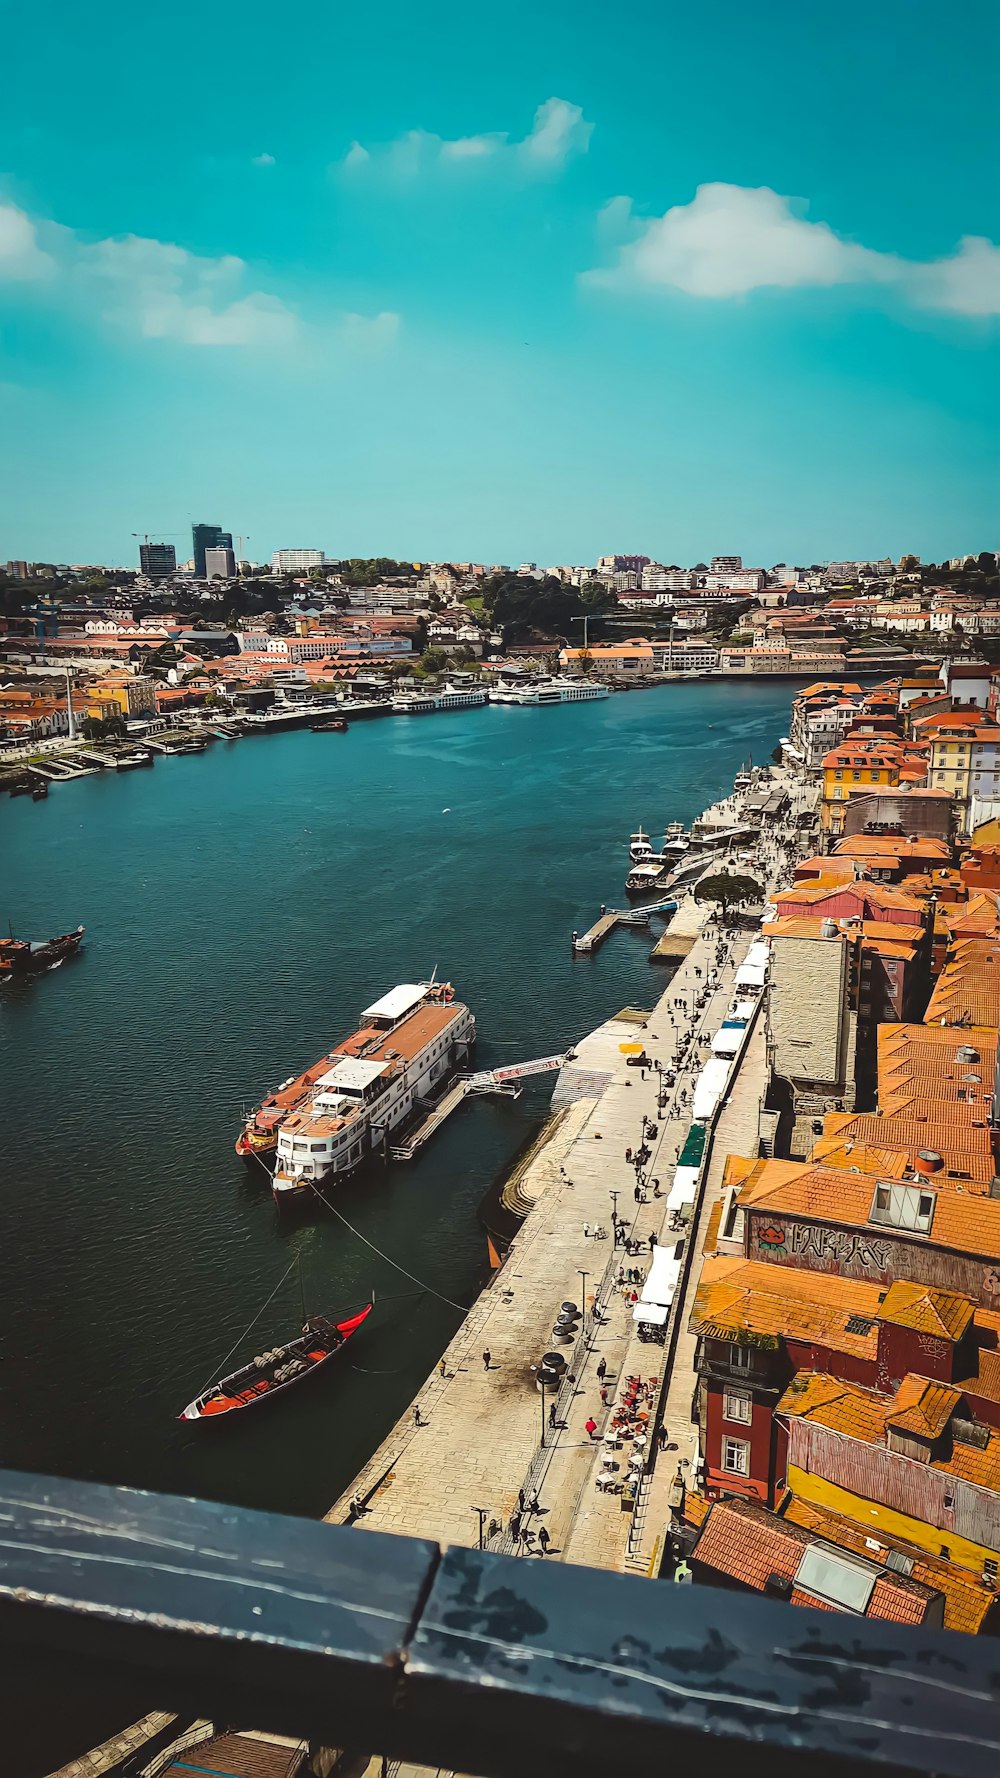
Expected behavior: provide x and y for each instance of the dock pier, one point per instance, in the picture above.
(586, 943)
(432, 1121)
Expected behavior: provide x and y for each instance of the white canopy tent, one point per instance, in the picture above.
(727, 1041)
(683, 1188)
(709, 1087)
(653, 1314)
(661, 1279)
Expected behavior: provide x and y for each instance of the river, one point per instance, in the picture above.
(241, 908)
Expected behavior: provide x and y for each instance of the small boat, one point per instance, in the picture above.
(23, 957)
(39, 793)
(336, 727)
(270, 1373)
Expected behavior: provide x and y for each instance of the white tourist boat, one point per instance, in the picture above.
(552, 691)
(450, 697)
(408, 1047)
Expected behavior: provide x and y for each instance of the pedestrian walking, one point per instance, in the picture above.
(638, 1193)
(515, 1526)
(533, 1506)
(487, 1355)
(520, 1500)
(417, 1417)
(604, 1395)
(441, 1369)
(602, 1370)
(543, 1541)
(590, 1427)
(552, 1416)
(628, 1155)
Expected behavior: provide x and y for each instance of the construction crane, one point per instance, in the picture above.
(146, 535)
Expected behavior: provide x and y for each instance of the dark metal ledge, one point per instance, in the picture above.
(468, 1660)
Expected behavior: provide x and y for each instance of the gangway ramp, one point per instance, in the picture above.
(493, 1080)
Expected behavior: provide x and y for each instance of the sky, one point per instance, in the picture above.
(539, 282)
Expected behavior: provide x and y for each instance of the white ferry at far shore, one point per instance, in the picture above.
(408, 1047)
(450, 697)
(551, 691)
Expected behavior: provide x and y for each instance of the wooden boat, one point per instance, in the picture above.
(266, 1376)
(21, 956)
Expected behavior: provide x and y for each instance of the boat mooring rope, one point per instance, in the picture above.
(222, 1366)
(463, 1308)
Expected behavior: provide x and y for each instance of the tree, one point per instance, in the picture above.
(728, 890)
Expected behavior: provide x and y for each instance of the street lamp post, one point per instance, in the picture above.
(483, 1512)
(583, 1295)
(614, 1205)
(542, 1384)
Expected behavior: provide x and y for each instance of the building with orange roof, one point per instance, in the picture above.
(933, 1228)
(967, 991)
(910, 1464)
(970, 1601)
(758, 1325)
(743, 1546)
(887, 858)
(979, 867)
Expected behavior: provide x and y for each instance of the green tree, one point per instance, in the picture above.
(728, 890)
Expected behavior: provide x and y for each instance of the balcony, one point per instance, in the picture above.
(456, 1658)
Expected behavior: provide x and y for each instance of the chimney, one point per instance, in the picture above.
(927, 1162)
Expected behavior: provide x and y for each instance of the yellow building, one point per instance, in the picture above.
(121, 694)
(853, 768)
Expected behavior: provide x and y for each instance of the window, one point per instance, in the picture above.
(737, 1406)
(736, 1456)
(741, 1357)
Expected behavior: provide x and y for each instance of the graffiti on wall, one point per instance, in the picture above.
(840, 1247)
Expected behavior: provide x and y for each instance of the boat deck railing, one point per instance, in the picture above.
(456, 1658)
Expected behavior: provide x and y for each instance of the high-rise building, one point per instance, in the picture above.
(220, 560)
(294, 561)
(205, 537)
(157, 559)
(726, 564)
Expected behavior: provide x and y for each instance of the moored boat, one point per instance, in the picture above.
(321, 1125)
(267, 1375)
(336, 727)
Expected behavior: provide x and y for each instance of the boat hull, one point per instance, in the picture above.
(222, 1409)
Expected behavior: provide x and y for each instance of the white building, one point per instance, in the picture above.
(726, 564)
(294, 561)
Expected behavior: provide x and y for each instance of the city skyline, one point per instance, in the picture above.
(514, 299)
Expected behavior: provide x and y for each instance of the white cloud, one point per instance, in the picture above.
(558, 132)
(263, 160)
(164, 292)
(21, 257)
(968, 283)
(157, 290)
(731, 239)
(465, 148)
(370, 333)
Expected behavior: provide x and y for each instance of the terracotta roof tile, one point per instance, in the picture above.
(750, 1544)
(736, 1294)
(926, 1310)
(857, 1413)
(922, 1407)
(967, 1602)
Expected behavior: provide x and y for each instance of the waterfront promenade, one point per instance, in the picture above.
(485, 1437)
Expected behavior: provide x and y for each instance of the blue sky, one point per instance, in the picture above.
(536, 282)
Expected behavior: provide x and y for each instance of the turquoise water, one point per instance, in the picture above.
(241, 908)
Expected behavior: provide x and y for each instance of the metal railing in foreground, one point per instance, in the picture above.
(469, 1660)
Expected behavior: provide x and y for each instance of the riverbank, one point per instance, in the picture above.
(477, 1440)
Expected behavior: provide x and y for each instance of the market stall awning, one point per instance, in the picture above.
(661, 1279)
(727, 1041)
(682, 1191)
(710, 1086)
(653, 1314)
